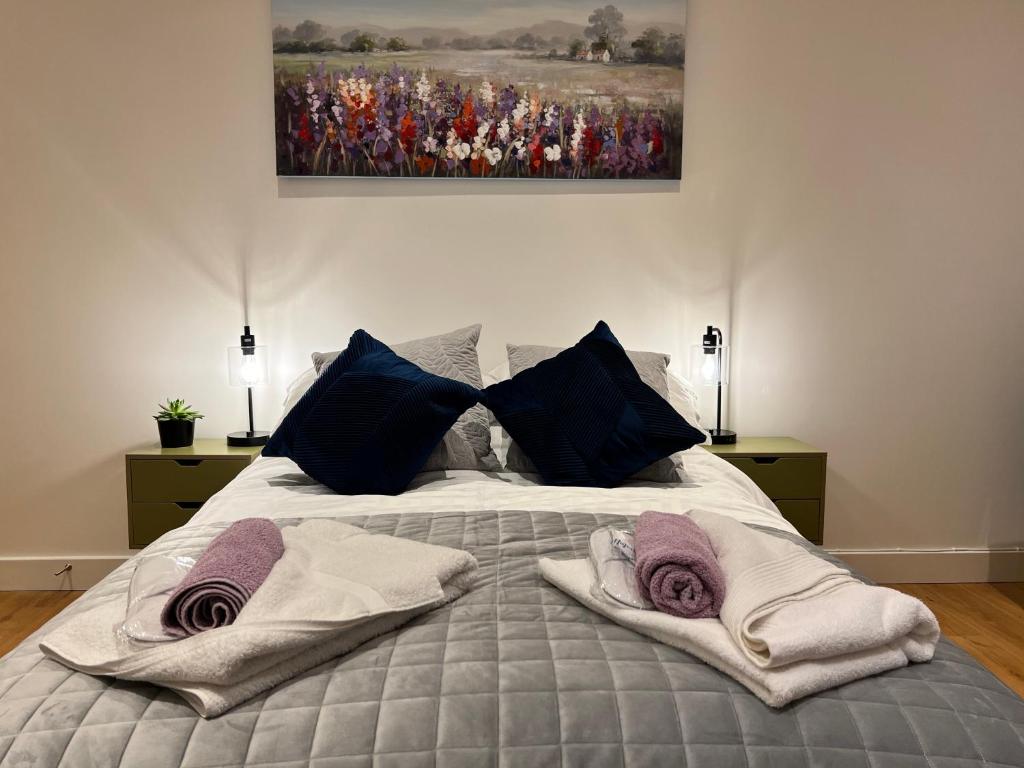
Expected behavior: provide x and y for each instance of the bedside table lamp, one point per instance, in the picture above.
(709, 365)
(247, 367)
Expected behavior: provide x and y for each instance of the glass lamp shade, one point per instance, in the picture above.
(248, 366)
(709, 370)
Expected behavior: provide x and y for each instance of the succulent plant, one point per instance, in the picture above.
(176, 410)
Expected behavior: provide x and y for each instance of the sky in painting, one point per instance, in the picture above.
(475, 16)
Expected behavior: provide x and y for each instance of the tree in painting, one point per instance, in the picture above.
(401, 88)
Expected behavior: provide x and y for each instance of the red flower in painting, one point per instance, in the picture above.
(591, 145)
(465, 124)
(536, 153)
(304, 132)
(426, 164)
(408, 133)
(657, 142)
(478, 166)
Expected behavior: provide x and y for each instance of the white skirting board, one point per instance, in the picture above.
(32, 573)
(886, 566)
(909, 566)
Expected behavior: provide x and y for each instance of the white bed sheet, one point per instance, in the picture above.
(277, 488)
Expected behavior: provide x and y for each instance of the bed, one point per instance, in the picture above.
(513, 673)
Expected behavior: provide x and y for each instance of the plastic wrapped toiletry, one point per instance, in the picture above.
(613, 558)
(154, 580)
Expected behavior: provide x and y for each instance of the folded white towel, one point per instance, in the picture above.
(784, 605)
(336, 587)
(791, 624)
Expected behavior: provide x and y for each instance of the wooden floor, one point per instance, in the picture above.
(986, 620)
(22, 613)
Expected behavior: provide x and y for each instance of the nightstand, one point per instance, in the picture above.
(791, 473)
(167, 486)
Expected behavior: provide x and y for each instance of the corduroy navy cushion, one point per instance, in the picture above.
(584, 417)
(370, 420)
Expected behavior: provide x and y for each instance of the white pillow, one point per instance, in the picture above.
(295, 391)
(683, 397)
(497, 373)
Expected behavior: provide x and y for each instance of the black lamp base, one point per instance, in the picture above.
(248, 438)
(722, 436)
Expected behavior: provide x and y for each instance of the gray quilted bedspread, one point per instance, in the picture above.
(514, 674)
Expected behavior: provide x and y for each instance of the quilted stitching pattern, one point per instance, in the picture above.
(515, 673)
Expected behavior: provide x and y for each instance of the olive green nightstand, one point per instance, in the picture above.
(791, 473)
(167, 486)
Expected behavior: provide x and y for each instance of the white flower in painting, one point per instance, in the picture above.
(522, 109)
(504, 130)
(550, 115)
(430, 145)
(519, 147)
(553, 154)
(480, 140)
(578, 124)
(455, 149)
(364, 89)
(487, 93)
(492, 156)
(650, 147)
(310, 89)
(423, 87)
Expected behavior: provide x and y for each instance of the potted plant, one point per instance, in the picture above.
(177, 424)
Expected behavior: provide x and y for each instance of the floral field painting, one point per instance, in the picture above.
(528, 89)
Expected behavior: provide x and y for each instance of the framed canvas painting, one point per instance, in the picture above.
(525, 89)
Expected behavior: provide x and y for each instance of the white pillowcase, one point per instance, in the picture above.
(295, 391)
(497, 373)
(683, 397)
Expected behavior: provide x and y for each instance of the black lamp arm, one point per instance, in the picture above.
(712, 340)
(248, 342)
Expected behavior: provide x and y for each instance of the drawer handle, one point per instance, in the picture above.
(188, 504)
(765, 459)
(188, 462)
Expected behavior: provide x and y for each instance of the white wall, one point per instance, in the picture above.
(849, 170)
(878, 305)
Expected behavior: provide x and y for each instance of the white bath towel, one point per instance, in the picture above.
(822, 631)
(784, 605)
(336, 587)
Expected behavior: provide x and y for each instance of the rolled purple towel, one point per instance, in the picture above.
(676, 567)
(224, 577)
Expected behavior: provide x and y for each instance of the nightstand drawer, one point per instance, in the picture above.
(784, 477)
(185, 480)
(148, 522)
(805, 515)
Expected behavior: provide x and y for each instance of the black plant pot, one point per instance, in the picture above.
(176, 433)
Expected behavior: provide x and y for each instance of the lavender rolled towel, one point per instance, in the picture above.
(224, 577)
(676, 567)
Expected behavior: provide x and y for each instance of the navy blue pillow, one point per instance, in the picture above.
(584, 417)
(369, 422)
